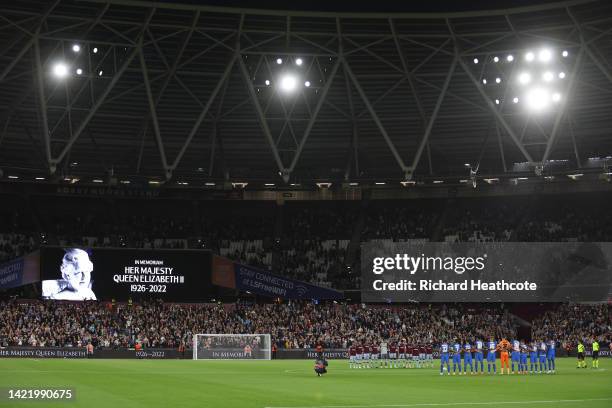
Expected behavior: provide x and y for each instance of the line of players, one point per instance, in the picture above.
(390, 355)
(535, 357)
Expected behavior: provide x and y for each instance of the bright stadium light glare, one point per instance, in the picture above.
(498, 80)
(288, 83)
(556, 97)
(524, 78)
(544, 55)
(495, 59)
(561, 75)
(279, 61)
(475, 60)
(307, 84)
(538, 99)
(60, 70)
(515, 100)
(510, 58)
(267, 82)
(565, 53)
(299, 62)
(548, 76)
(76, 48)
(529, 56)
(79, 71)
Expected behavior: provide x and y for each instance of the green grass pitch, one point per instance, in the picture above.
(292, 383)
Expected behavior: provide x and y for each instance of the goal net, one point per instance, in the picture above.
(231, 347)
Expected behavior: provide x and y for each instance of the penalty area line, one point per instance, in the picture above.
(449, 404)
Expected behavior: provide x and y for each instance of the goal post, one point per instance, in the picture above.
(232, 347)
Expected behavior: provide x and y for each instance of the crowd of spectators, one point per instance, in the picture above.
(291, 325)
(570, 323)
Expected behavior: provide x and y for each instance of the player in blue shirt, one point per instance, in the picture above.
(533, 357)
(479, 356)
(542, 354)
(467, 358)
(456, 350)
(550, 356)
(516, 354)
(444, 358)
(523, 368)
(491, 350)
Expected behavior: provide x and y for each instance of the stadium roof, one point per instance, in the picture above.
(179, 91)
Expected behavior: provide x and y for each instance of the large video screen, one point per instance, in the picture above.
(74, 273)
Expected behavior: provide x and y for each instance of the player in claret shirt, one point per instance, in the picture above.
(422, 355)
(393, 355)
(375, 355)
(402, 354)
(352, 357)
(415, 355)
(429, 353)
(366, 355)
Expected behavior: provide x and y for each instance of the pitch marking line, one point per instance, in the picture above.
(453, 404)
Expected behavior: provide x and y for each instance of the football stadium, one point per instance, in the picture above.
(268, 204)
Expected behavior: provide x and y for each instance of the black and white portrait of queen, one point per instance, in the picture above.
(76, 282)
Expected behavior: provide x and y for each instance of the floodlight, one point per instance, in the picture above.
(524, 78)
(565, 53)
(60, 70)
(556, 97)
(515, 100)
(510, 58)
(547, 76)
(537, 99)
(267, 82)
(298, 61)
(279, 61)
(307, 84)
(76, 48)
(475, 60)
(529, 56)
(79, 71)
(561, 75)
(288, 83)
(496, 59)
(544, 55)
(498, 80)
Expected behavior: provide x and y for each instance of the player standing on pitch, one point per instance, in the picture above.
(479, 356)
(456, 350)
(467, 358)
(504, 347)
(444, 358)
(533, 357)
(492, 350)
(550, 356)
(595, 355)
